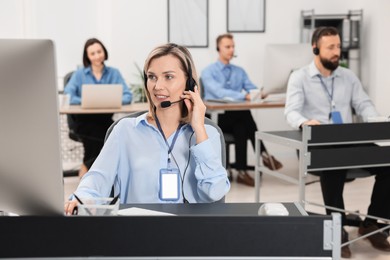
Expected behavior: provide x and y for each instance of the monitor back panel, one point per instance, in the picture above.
(31, 180)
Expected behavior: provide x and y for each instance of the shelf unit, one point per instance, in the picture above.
(349, 25)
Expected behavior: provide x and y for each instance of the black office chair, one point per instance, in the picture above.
(71, 130)
(207, 122)
(71, 118)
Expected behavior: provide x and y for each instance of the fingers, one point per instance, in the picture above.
(194, 96)
(70, 207)
(311, 122)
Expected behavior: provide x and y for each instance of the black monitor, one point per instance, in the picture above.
(31, 181)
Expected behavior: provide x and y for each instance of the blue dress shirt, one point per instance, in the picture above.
(135, 152)
(225, 81)
(85, 76)
(308, 99)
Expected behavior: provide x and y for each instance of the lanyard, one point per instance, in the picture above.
(170, 147)
(330, 94)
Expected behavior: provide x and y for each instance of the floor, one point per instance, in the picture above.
(356, 194)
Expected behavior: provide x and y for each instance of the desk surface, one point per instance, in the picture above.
(76, 109)
(216, 209)
(245, 105)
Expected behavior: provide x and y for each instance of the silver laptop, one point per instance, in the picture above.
(101, 96)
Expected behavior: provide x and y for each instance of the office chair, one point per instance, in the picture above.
(71, 118)
(207, 122)
(71, 132)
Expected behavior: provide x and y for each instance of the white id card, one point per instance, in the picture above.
(169, 184)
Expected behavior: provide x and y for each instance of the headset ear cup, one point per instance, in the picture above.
(217, 49)
(190, 84)
(145, 80)
(316, 51)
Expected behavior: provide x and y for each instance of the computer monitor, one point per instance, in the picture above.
(31, 181)
(280, 60)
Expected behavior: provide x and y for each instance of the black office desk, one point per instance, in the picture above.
(219, 231)
(327, 147)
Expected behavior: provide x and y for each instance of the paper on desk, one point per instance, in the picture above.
(278, 97)
(134, 211)
(383, 143)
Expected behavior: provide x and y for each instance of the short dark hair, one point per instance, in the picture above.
(88, 43)
(323, 31)
(222, 36)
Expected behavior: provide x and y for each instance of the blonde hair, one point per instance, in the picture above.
(186, 64)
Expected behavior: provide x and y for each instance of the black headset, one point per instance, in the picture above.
(190, 83)
(316, 51)
(316, 37)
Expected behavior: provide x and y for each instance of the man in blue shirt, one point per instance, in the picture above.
(222, 80)
(325, 93)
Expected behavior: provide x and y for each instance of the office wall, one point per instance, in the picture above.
(130, 28)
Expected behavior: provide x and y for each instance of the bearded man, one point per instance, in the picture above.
(325, 93)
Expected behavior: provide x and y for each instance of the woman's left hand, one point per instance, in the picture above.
(196, 111)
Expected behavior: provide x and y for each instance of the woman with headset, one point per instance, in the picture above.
(168, 154)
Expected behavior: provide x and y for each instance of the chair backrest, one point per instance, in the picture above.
(201, 86)
(67, 77)
(134, 114)
(71, 119)
(207, 122)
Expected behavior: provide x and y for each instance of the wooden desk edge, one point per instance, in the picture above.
(242, 105)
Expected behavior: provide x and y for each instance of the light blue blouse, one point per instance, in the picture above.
(85, 76)
(135, 152)
(225, 81)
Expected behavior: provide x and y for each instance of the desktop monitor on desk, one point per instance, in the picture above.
(30, 163)
(280, 61)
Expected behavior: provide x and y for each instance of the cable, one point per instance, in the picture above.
(185, 169)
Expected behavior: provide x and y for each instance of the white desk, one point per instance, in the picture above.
(216, 108)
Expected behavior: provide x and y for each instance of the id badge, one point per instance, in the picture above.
(169, 184)
(336, 117)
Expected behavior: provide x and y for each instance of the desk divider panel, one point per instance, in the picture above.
(356, 132)
(178, 236)
(348, 157)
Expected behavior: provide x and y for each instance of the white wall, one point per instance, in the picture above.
(131, 28)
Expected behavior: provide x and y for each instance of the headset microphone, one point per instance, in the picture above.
(234, 55)
(166, 104)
